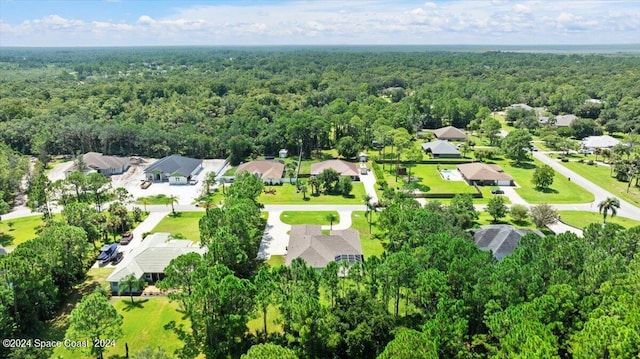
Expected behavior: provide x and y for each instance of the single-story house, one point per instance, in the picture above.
(308, 242)
(592, 142)
(283, 153)
(484, 174)
(523, 106)
(565, 120)
(500, 239)
(450, 133)
(441, 149)
(363, 157)
(344, 168)
(150, 259)
(95, 162)
(175, 169)
(270, 172)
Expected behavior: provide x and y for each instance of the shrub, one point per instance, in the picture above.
(590, 162)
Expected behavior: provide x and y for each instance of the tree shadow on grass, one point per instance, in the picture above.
(521, 223)
(523, 165)
(176, 215)
(137, 304)
(6, 239)
(547, 190)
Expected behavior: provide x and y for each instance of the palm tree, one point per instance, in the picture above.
(611, 204)
(303, 188)
(172, 199)
(597, 151)
(290, 168)
(331, 217)
(366, 199)
(315, 184)
(130, 283)
(144, 201)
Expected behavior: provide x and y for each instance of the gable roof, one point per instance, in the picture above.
(565, 120)
(440, 147)
(523, 106)
(174, 165)
(605, 141)
(98, 161)
(478, 171)
(449, 132)
(265, 169)
(308, 242)
(344, 168)
(153, 256)
(501, 239)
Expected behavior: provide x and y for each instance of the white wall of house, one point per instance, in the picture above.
(178, 180)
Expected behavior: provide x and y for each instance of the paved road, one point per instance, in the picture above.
(626, 209)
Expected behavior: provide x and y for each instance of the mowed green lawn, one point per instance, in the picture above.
(184, 223)
(286, 194)
(143, 325)
(601, 175)
(370, 245)
(581, 219)
(430, 180)
(154, 200)
(24, 229)
(307, 217)
(561, 191)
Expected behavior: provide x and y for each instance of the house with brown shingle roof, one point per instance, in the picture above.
(484, 174)
(344, 168)
(450, 133)
(270, 172)
(308, 242)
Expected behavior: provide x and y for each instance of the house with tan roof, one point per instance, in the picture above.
(343, 167)
(484, 174)
(149, 260)
(450, 133)
(270, 172)
(308, 242)
(565, 120)
(95, 162)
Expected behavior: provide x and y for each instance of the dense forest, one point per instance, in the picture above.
(432, 294)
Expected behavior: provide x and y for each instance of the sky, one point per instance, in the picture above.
(56, 23)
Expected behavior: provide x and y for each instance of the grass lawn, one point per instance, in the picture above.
(485, 218)
(276, 261)
(370, 245)
(561, 191)
(256, 324)
(581, 219)
(24, 229)
(231, 171)
(307, 217)
(286, 194)
(153, 200)
(184, 223)
(429, 179)
(143, 325)
(600, 175)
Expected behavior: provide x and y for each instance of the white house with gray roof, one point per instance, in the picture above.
(175, 169)
(150, 259)
(592, 142)
(441, 149)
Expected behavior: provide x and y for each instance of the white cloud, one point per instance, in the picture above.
(353, 21)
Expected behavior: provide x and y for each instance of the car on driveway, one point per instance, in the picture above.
(126, 238)
(107, 252)
(117, 258)
(497, 191)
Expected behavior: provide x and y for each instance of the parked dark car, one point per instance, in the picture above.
(497, 191)
(117, 258)
(107, 252)
(126, 238)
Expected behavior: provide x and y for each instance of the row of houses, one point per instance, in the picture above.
(306, 242)
(273, 172)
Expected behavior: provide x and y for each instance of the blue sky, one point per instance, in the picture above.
(317, 22)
